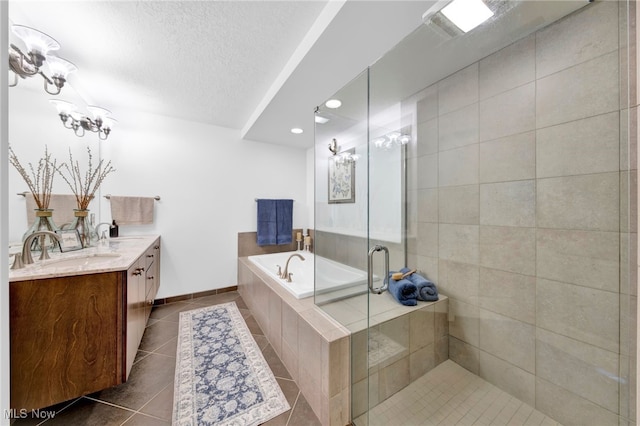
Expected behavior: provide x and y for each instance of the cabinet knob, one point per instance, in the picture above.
(150, 278)
(149, 255)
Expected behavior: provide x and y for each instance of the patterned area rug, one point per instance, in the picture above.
(221, 376)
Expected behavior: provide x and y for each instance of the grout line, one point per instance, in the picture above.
(292, 408)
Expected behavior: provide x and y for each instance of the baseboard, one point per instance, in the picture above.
(183, 297)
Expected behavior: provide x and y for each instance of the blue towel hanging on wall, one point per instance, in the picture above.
(275, 222)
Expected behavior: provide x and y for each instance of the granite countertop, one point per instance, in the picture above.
(120, 254)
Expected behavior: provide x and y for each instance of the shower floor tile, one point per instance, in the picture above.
(451, 395)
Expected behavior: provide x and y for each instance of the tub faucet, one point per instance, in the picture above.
(25, 257)
(285, 273)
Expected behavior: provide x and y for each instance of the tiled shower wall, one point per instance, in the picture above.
(518, 208)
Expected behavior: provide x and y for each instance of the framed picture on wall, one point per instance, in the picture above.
(342, 177)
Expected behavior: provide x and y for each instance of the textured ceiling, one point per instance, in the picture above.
(207, 61)
(260, 67)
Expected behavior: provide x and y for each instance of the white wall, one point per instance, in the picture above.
(207, 178)
(5, 374)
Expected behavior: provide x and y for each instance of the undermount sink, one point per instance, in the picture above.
(85, 260)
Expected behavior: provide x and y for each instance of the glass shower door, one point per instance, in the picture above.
(359, 228)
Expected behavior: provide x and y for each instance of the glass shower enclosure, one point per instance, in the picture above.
(501, 164)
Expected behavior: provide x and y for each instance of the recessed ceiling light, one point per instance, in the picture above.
(296, 130)
(333, 103)
(467, 14)
(321, 120)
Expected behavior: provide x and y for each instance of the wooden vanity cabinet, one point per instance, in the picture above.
(72, 336)
(66, 338)
(143, 282)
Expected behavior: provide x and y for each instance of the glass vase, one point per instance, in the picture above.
(81, 223)
(43, 222)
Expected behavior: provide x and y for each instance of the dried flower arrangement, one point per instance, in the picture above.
(40, 179)
(84, 191)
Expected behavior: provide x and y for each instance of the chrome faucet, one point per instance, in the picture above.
(285, 273)
(25, 258)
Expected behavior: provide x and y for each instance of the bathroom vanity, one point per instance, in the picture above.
(77, 320)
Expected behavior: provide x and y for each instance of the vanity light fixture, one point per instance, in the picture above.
(101, 123)
(38, 45)
(467, 14)
(333, 103)
(390, 140)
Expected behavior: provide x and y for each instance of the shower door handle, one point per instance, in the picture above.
(385, 281)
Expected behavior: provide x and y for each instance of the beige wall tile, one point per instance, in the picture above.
(568, 408)
(428, 266)
(427, 106)
(442, 317)
(508, 203)
(458, 90)
(585, 90)
(427, 205)
(458, 243)
(457, 128)
(421, 362)
(585, 314)
(309, 348)
(459, 204)
(517, 382)
(629, 270)
(509, 294)
(464, 354)
(359, 350)
(586, 146)
(508, 113)
(508, 68)
(427, 244)
(459, 281)
(497, 329)
(464, 322)
(578, 38)
(579, 202)
(583, 369)
(274, 325)
(628, 142)
(441, 350)
(587, 258)
(421, 328)
(393, 378)
(457, 166)
(508, 249)
(629, 201)
(397, 329)
(509, 158)
(427, 137)
(428, 171)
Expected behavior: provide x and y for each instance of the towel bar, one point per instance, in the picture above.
(157, 197)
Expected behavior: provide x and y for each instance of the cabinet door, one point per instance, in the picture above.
(65, 336)
(135, 312)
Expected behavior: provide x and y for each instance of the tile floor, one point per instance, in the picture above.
(147, 397)
(451, 395)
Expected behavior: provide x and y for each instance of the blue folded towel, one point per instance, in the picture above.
(404, 291)
(275, 219)
(427, 290)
